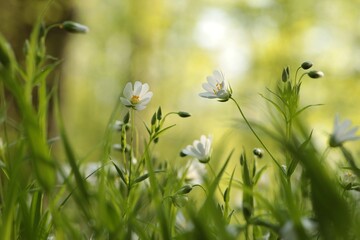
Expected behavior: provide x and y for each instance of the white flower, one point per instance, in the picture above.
(201, 149)
(137, 98)
(342, 132)
(216, 87)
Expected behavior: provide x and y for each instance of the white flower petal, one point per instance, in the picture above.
(208, 87)
(144, 90)
(218, 76)
(207, 95)
(137, 88)
(212, 81)
(342, 132)
(128, 90)
(147, 95)
(140, 107)
(125, 101)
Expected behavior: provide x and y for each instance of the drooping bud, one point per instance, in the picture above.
(184, 114)
(184, 189)
(315, 74)
(74, 27)
(258, 152)
(306, 65)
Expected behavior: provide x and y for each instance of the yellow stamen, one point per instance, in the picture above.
(134, 99)
(218, 88)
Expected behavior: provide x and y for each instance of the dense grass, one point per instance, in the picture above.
(136, 195)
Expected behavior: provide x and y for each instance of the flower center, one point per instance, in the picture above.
(135, 99)
(218, 88)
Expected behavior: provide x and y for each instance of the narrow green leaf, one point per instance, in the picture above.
(119, 171)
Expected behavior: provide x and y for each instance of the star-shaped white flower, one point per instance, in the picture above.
(201, 149)
(138, 97)
(216, 87)
(342, 132)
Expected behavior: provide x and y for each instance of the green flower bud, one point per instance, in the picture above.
(126, 118)
(184, 114)
(306, 65)
(315, 74)
(184, 189)
(182, 154)
(159, 114)
(153, 119)
(285, 74)
(74, 27)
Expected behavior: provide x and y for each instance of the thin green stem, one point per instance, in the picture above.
(256, 135)
(132, 118)
(297, 70)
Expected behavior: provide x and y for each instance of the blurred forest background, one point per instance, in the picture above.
(174, 44)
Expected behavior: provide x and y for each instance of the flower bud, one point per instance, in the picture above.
(258, 152)
(285, 74)
(184, 189)
(184, 114)
(74, 27)
(126, 118)
(315, 74)
(153, 119)
(159, 114)
(182, 154)
(306, 65)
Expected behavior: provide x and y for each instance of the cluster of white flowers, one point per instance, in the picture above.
(216, 87)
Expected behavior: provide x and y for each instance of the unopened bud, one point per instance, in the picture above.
(74, 27)
(306, 65)
(159, 114)
(285, 74)
(153, 119)
(184, 114)
(258, 152)
(126, 118)
(184, 189)
(315, 74)
(182, 154)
